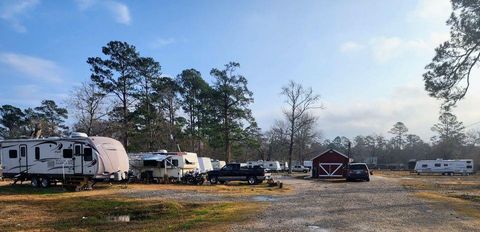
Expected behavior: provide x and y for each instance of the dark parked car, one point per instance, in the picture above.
(358, 171)
(234, 172)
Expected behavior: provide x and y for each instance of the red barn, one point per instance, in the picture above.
(329, 164)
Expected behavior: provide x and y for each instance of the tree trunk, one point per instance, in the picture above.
(290, 147)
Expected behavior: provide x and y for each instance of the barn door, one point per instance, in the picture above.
(331, 170)
(23, 159)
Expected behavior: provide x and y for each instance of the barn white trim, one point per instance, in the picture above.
(331, 173)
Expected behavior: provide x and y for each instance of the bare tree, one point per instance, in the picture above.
(299, 101)
(89, 104)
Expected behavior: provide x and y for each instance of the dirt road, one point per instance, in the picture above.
(379, 205)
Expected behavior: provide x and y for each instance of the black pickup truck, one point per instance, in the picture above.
(234, 172)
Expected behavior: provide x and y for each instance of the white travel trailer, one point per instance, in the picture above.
(284, 166)
(205, 164)
(73, 160)
(307, 164)
(158, 165)
(273, 166)
(445, 167)
(218, 164)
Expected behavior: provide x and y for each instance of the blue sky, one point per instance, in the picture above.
(365, 57)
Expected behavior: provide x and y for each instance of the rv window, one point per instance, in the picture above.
(424, 165)
(445, 165)
(37, 153)
(188, 162)
(469, 162)
(87, 156)
(67, 153)
(12, 154)
(175, 163)
(270, 165)
(438, 165)
(469, 166)
(77, 149)
(23, 151)
(150, 163)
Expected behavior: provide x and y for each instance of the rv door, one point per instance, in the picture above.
(78, 158)
(23, 159)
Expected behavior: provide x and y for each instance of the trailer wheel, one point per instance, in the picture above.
(252, 180)
(213, 180)
(34, 182)
(45, 182)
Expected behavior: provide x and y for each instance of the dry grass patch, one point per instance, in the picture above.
(28, 209)
(459, 204)
(459, 192)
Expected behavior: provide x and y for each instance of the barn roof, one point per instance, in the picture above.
(328, 150)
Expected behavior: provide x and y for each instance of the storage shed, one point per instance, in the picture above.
(329, 164)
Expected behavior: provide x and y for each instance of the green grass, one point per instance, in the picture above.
(27, 189)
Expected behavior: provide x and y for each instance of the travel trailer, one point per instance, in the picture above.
(155, 166)
(218, 164)
(205, 164)
(273, 166)
(284, 166)
(71, 160)
(307, 164)
(445, 167)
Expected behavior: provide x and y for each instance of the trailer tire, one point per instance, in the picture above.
(213, 180)
(252, 180)
(45, 182)
(34, 182)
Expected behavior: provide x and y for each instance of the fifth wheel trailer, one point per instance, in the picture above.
(79, 160)
(444, 167)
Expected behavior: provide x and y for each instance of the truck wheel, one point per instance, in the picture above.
(252, 180)
(45, 182)
(213, 180)
(34, 182)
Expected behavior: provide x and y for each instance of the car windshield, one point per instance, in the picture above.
(358, 167)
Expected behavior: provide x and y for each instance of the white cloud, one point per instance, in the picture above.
(33, 67)
(119, 11)
(162, 42)
(85, 4)
(431, 10)
(409, 103)
(12, 12)
(350, 46)
(385, 49)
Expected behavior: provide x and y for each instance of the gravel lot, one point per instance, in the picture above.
(379, 205)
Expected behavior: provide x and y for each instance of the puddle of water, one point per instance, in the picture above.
(120, 218)
(264, 198)
(128, 217)
(317, 229)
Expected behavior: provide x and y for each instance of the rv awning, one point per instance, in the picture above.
(156, 157)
